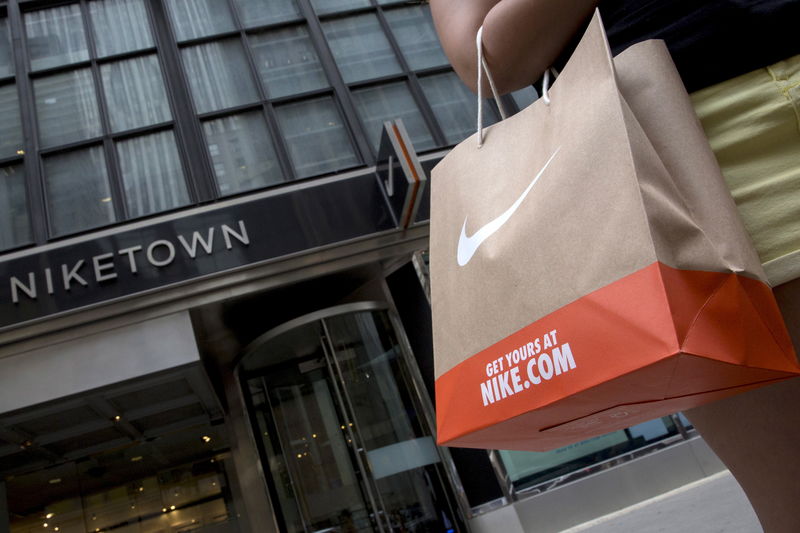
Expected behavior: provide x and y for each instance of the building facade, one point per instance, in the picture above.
(214, 311)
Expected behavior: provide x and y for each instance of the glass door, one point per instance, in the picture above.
(339, 422)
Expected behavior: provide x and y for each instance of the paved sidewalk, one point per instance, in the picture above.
(715, 504)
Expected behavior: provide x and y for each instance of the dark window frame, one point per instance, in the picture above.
(186, 125)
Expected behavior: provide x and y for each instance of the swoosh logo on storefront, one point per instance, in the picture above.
(467, 246)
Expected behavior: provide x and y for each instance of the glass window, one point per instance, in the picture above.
(151, 174)
(386, 102)
(360, 47)
(242, 152)
(532, 466)
(258, 12)
(316, 137)
(455, 107)
(414, 31)
(6, 56)
(14, 227)
(173, 481)
(219, 75)
(135, 93)
(287, 62)
(197, 18)
(78, 195)
(331, 6)
(119, 26)
(525, 97)
(10, 125)
(66, 107)
(55, 36)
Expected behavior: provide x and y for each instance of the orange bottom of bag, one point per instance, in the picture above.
(655, 342)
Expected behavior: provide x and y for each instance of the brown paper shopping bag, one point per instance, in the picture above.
(589, 269)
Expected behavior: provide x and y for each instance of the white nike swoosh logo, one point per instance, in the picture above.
(467, 246)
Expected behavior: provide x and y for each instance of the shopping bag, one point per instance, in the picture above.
(589, 270)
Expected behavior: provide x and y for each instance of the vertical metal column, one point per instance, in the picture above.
(352, 426)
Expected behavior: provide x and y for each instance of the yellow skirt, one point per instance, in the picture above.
(753, 125)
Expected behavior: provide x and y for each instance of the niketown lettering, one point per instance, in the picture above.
(467, 246)
(526, 366)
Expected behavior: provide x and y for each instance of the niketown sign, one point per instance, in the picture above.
(60, 277)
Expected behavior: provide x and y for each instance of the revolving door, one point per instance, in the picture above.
(341, 429)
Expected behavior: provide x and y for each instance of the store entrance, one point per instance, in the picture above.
(341, 428)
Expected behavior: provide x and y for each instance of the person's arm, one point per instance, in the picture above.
(521, 38)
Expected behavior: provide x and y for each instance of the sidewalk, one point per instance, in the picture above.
(715, 504)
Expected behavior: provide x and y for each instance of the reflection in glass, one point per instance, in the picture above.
(526, 469)
(343, 458)
(6, 56)
(198, 18)
(315, 445)
(316, 137)
(55, 36)
(414, 31)
(10, 125)
(242, 153)
(258, 12)
(387, 421)
(66, 107)
(14, 227)
(331, 6)
(360, 47)
(525, 96)
(119, 26)
(78, 195)
(219, 75)
(287, 62)
(387, 102)
(135, 93)
(278, 463)
(454, 106)
(151, 174)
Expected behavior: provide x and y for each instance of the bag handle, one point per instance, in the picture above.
(483, 66)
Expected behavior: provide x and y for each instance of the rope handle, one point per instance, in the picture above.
(482, 66)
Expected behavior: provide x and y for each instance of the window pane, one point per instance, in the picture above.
(67, 108)
(135, 93)
(377, 104)
(242, 152)
(525, 97)
(316, 137)
(10, 125)
(455, 107)
(414, 31)
(78, 195)
(6, 56)
(197, 18)
(14, 227)
(151, 174)
(360, 47)
(55, 36)
(258, 12)
(331, 6)
(219, 75)
(287, 62)
(119, 26)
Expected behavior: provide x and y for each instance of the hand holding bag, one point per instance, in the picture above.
(589, 270)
